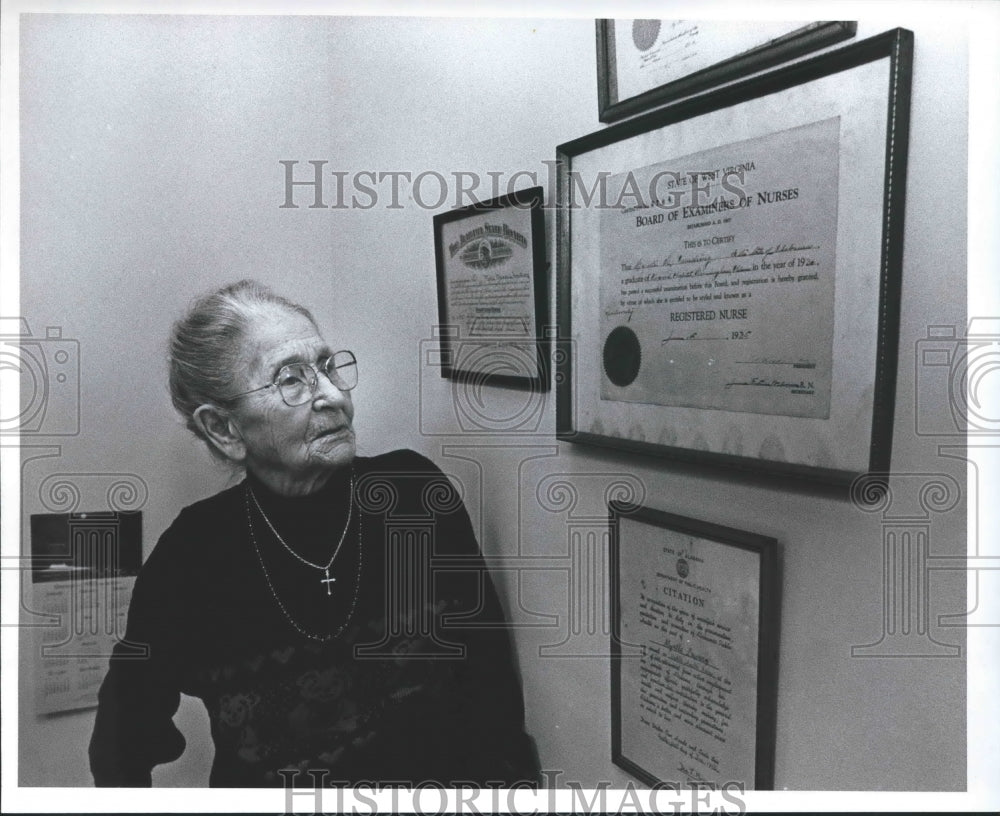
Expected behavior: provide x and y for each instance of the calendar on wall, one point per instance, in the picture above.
(82, 571)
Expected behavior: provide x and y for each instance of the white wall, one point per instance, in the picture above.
(150, 150)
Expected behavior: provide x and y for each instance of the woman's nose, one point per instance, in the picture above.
(327, 391)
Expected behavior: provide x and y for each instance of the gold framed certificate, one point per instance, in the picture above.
(729, 270)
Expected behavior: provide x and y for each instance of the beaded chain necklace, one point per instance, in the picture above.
(327, 580)
(326, 568)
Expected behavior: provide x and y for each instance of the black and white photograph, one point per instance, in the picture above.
(551, 407)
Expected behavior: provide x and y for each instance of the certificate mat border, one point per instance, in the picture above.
(781, 49)
(768, 622)
(530, 199)
(896, 46)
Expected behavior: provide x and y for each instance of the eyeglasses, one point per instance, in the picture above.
(296, 382)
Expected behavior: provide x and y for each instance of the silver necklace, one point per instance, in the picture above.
(326, 579)
(274, 592)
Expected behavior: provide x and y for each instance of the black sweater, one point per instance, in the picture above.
(402, 673)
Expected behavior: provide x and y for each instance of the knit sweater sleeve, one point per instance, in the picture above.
(134, 729)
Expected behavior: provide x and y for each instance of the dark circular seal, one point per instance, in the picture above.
(622, 356)
(682, 568)
(644, 33)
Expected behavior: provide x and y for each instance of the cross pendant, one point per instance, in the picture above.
(328, 580)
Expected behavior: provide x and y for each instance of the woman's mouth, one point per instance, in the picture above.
(337, 431)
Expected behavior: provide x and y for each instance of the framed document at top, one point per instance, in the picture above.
(694, 648)
(492, 294)
(729, 270)
(645, 63)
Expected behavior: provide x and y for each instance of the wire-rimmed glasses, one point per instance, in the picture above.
(296, 382)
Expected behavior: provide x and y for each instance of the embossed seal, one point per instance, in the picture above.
(622, 356)
(644, 33)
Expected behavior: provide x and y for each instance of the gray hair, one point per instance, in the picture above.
(205, 345)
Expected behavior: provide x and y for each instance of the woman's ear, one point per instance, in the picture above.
(221, 432)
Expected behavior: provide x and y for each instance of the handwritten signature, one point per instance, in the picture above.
(773, 361)
(801, 386)
(756, 251)
(687, 651)
(691, 336)
(692, 774)
(703, 263)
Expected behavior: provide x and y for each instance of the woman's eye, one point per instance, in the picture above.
(290, 378)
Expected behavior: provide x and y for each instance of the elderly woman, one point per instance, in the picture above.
(332, 611)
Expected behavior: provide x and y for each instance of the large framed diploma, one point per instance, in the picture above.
(492, 291)
(729, 270)
(695, 612)
(645, 63)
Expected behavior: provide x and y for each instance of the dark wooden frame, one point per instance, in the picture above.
(768, 621)
(531, 199)
(897, 47)
(789, 46)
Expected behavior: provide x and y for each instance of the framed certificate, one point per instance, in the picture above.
(694, 647)
(642, 64)
(492, 292)
(729, 270)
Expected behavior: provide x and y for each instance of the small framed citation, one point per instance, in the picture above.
(642, 64)
(694, 648)
(492, 291)
(729, 270)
